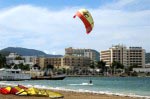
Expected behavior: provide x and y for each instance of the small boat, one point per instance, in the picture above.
(54, 77)
(13, 75)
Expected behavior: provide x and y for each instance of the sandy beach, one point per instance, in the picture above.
(69, 95)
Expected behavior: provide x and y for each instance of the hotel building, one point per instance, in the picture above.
(65, 62)
(147, 58)
(126, 56)
(90, 53)
(136, 56)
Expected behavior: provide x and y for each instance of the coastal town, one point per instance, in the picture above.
(74, 49)
(118, 60)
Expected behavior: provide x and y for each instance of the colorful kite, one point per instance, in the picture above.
(86, 18)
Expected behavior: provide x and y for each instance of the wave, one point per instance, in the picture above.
(82, 84)
(77, 90)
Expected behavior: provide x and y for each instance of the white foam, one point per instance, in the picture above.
(82, 84)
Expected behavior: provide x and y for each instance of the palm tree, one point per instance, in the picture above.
(116, 65)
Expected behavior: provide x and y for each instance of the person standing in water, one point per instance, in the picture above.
(90, 81)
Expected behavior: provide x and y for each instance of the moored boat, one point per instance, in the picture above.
(54, 77)
(13, 75)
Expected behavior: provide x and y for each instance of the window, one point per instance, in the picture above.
(17, 72)
(12, 71)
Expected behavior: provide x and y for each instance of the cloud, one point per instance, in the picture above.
(52, 31)
(128, 5)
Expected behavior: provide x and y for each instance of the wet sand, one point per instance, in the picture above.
(69, 95)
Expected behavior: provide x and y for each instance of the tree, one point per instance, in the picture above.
(36, 66)
(49, 66)
(117, 65)
(18, 58)
(92, 65)
(61, 71)
(2, 61)
(24, 67)
(7, 66)
(130, 68)
(101, 65)
(16, 67)
(64, 70)
(134, 73)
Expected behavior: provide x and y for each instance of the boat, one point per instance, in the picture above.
(13, 75)
(54, 77)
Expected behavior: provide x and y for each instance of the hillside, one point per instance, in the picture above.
(27, 52)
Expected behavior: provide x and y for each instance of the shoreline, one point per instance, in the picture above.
(101, 93)
(74, 94)
(101, 76)
(71, 95)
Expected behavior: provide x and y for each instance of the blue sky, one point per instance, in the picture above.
(48, 25)
(56, 4)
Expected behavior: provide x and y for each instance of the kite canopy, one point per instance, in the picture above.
(21, 90)
(86, 18)
(5, 90)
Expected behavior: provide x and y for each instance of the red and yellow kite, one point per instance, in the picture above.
(86, 18)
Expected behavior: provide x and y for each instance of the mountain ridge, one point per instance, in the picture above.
(27, 52)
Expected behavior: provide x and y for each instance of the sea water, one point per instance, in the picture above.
(123, 86)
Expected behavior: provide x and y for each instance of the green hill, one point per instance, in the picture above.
(26, 52)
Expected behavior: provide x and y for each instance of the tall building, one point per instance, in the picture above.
(147, 58)
(136, 56)
(126, 56)
(115, 53)
(90, 53)
(106, 57)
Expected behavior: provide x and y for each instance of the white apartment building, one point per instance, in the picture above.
(126, 56)
(136, 55)
(29, 60)
(11, 58)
